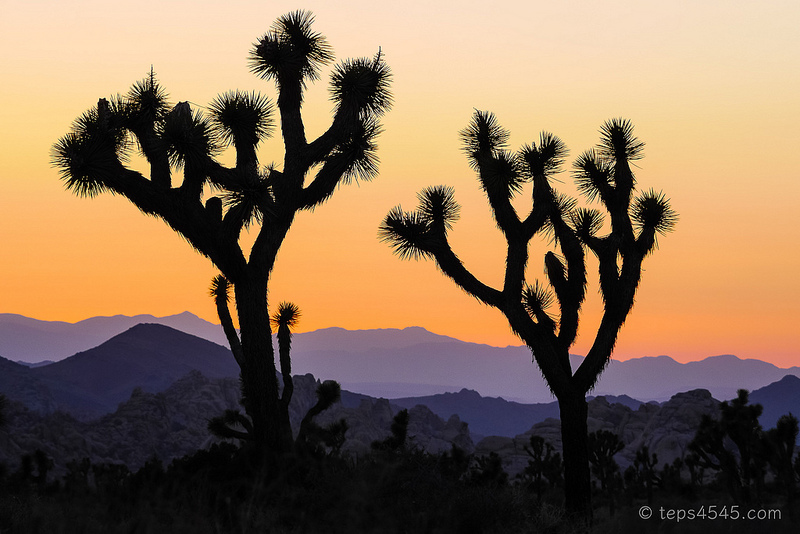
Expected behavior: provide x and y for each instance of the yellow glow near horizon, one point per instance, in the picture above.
(711, 89)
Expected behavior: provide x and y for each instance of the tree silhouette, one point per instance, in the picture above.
(545, 463)
(780, 444)
(397, 441)
(213, 204)
(328, 393)
(3, 416)
(603, 174)
(742, 466)
(646, 464)
(603, 445)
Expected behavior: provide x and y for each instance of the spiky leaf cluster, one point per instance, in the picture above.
(593, 175)
(87, 157)
(651, 210)
(406, 233)
(224, 426)
(287, 316)
(617, 141)
(291, 50)
(188, 135)
(483, 137)
(220, 289)
(361, 86)
(413, 234)
(501, 173)
(328, 393)
(438, 205)
(357, 156)
(249, 199)
(84, 163)
(586, 222)
(546, 157)
(537, 299)
(147, 102)
(243, 118)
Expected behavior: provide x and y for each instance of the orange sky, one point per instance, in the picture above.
(712, 90)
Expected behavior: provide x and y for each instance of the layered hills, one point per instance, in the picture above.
(93, 382)
(28, 340)
(173, 423)
(412, 362)
(151, 390)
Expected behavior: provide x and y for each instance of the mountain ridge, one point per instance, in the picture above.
(412, 361)
(93, 382)
(150, 357)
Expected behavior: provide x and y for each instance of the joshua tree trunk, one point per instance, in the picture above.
(574, 412)
(259, 373)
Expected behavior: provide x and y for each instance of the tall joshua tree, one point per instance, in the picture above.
(210, 204)
(602, 174)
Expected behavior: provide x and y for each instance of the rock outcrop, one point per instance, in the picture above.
(173, 423)
(665, 429)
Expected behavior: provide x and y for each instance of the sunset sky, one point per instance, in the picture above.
(713, 89)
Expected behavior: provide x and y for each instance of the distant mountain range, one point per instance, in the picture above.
(412, 360)
(93, 382)
(27, 340)
(392, 363)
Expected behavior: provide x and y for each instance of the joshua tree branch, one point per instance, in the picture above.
(318, 149)
(324, 183)
(450, 265)
(220, 292)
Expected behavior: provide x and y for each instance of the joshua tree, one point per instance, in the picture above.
(780, 445)
(604, 174)
(397, 441)
(213, 203)
(603, 445)
(646, 465)
(545, 463)
(742, 468)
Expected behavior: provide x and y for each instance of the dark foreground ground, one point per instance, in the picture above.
(388, 491)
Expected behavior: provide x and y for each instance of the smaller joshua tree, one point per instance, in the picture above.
(780, 445)
(742, 468)
(603, 445)
(287, 317)
(603, 174)
(545, 463)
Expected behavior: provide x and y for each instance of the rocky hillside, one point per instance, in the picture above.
(666, 429)
(173, 423)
